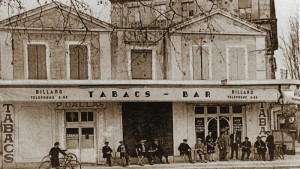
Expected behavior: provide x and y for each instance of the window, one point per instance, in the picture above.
(160, 11)
(200, 62)
(237, 109)
(224, 109)
(237, 63)
(199, 110)
(134, 14)
(264, 9)
(87, 116)
(188, 9)
(141, 64)
(212, 110)
(78, 60)
(37, 67)
(245, 9)
(72, 116)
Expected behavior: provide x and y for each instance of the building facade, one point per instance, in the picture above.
(81, 81)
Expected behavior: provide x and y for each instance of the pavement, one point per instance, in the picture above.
(290, 162)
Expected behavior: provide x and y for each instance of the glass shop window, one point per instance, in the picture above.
(87, 116)
(72, 135)
(72, 116)
(87, 137)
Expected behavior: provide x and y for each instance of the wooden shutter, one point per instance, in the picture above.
(200, 62)
(141, 64)
(37, 67)
(237, 64)
(243, 4)
(78, 62)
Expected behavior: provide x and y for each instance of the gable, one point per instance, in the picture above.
(218, 23)
(55, 17)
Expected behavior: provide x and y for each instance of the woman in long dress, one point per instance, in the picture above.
(211, 144)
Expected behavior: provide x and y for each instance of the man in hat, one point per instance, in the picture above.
(199, 146)
(185, 149)
(54, 153)
(222, 147)
(246, 148)
(235, 140)
(106, 150)
(261, 148)
(271, 145)
(159, 151)
(123, 152)
(142, 151)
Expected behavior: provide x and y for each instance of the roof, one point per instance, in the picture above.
(54, 5)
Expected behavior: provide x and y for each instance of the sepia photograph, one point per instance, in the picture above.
(149, 84)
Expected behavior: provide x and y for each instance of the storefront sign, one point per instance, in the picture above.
(199, 124)
(262, 119)
(138, 94)
(8, 134)
(237, 123)
(291, 97)
(73, 105)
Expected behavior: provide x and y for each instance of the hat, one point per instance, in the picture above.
(143, 141)
(185, 140)
(121, 141)
(258, 137)
(199, 138)
(156, 139)
(246, 138)
(106, 142)
(56, 143)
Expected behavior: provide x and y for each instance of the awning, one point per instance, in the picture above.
(291, 97)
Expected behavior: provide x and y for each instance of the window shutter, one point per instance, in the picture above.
(37, 67)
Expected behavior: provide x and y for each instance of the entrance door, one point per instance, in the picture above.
(80, 135)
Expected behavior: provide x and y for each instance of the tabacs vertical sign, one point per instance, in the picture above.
(8, 134)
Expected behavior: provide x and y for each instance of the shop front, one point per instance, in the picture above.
(82, 118)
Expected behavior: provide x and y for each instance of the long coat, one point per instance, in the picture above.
(54, 152)
(184, 148)
(260, 146)
(106, 150)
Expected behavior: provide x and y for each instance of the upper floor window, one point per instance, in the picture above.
(200, 62)
(188, 9)
(134, 14)
(264, 9)
(37, 60)
(78, 61)
(245, 9)
(160, 11)
(141, 64)
(237, 63)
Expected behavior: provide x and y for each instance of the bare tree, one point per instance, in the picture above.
(289, 46)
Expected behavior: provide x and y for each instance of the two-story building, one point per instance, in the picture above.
(163, 69)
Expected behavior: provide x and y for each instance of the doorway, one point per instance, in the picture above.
(147, 121)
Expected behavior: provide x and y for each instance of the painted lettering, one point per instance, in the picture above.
(102, 94)
(125, 94)
(207, 94)
(147, 94)
(185, 94)
(7, 107)
(8, 158)
(91, 93)
(8, 138)
(114, 94)
(8, 128)
(262, 121)
(8, 135)
(9, 148)
(8, 118)
(262, 113)
(137, 94)
(262, 130)
(196, 94)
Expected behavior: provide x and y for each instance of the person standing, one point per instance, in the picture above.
(159, 151)
(235, 140)
(271, 145)
(222, 147)
(54, 153)
(123, 152)
(211, 143)
(246, 148)
(142, 151)
(185, 149)
(199, 146)
(107, 151)
(261, 148)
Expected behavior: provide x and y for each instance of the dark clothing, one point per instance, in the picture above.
(185, 149)
(235, 140)
(222, 147)
(261, 148)
(54, 152)
(142, 150)
(123, 152)
(159, 152)
(210, 142)
(271, 146)
(106, 150)
(246, 149)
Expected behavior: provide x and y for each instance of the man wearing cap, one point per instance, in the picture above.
(106, 150)
(261, 148)
(123, 152)
(185, 149)
(246, 148)
(235, 140)
(199, 146)
(222, 147)
(271, 145)
(142, 151)
(54, 153)
(159, 151)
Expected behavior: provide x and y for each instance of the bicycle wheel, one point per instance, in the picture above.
(45, 165)
(46, 158)
(73, 156)
(73, 164)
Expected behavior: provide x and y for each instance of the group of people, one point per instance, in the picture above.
(206, 149)
(154, 150)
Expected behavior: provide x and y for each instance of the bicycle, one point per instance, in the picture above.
(72, 155)
(279, 152)
(65, 163)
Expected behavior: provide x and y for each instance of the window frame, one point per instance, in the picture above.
(153, 60)
(209, 61)
(68, 66)
(48, 60)
(245, 61)
(160, 15)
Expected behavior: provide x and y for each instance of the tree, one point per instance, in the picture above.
(289, 46)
